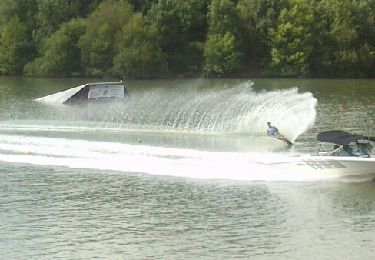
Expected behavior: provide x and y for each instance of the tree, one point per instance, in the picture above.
(13, 47)
(324, 38)
(137, 52)
(292, 41)
(222, 56)
(347, 46)
(52, 13)
(142, 6)
(181, 26)
(7, 10)
(60, 55)
(223, 48)
(97, 44)
(24, 11)
(258, 17)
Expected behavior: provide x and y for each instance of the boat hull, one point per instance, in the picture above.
(328, 166)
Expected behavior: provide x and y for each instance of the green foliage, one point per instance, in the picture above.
(97, 44)
(7, 10)
(159, 38)
(25, 10)
(52, 14)
(223, 17)
(222, 49)
(60, 55)
(180, 24)
(347, 46)
(222, 56)
(142, 6)
(258, 18)
(13, 47)
(292, 41)
(138, 54)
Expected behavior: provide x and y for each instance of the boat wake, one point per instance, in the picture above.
(154, 160)
(231, 118)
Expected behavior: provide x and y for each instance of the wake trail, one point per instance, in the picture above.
(154, 160)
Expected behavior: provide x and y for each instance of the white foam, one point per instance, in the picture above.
(235, 109)
(143, 158)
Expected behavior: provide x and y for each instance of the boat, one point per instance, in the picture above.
(99, 91)
(351, 155)
(346, 144)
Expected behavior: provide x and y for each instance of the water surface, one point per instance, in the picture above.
(153, 178)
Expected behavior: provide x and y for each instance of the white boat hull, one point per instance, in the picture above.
(328, 166)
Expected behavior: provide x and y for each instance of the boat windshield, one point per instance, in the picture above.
(357, 149)
(346, 144)
(353, 149)
(366, 148)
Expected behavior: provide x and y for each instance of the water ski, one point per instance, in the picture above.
(284, 139)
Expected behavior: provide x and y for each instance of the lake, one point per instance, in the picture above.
(160, 175)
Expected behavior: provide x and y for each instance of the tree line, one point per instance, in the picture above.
(188, 38)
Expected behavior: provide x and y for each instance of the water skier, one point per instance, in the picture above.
(274, 132)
